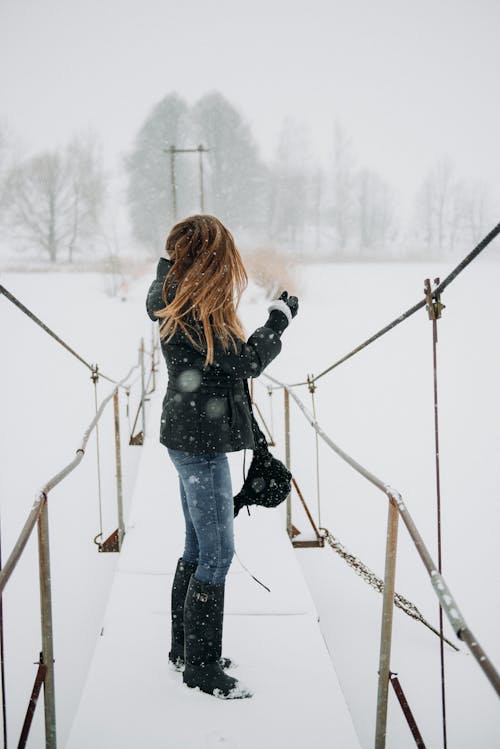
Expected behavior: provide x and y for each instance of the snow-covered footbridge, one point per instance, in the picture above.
(132, 698)
(271, 630)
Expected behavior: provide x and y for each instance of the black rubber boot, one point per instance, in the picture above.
(203, 617)
(182, 575)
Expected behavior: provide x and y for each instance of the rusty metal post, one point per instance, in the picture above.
(288, 462)
(434, 310)
(386, 630)
(35, 693)
(47, 636)
(2, 661)
(412, 723)
(143, 390)
(118, 462)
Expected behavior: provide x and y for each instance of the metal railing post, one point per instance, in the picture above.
(143, 390)
(47, 636)
(288, 461)
(386, 630)
(118, 462)
(153, 360)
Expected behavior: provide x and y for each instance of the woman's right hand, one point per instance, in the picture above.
(292, 302)
(281, 312)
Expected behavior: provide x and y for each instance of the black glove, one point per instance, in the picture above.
(281, 312)
(291, 301)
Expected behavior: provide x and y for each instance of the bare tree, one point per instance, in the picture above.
(149, 191)
(343, 184)
(476, 209)
(53, 200)
(8, 156)
(317, 190)
(36, 198)
(236, 179)
(375, 216)
(87, 191)
(291, 171)
(438, 207)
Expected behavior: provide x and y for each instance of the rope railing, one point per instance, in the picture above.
(411, 311)
(41, 495)
(397, 507)
(7, 294)
(38, 515)
(432, 302)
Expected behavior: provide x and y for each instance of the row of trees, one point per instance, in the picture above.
(341, 208)
(290, 201)
(235, 179)
(450, 211)
(57, 200)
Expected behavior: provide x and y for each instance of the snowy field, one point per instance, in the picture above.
(378, 407)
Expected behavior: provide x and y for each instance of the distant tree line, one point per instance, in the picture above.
(57, 202)
(338, 209)
(235, 179)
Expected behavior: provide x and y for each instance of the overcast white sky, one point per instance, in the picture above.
(410, 81)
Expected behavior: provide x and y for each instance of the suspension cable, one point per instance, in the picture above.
(2, 661)
(95, 377)
(41, 495)
(438, 582)
(449, 278)
(434, 309)
(50, 332)
(312, 390)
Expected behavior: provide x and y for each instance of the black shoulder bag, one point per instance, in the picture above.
(268, 481)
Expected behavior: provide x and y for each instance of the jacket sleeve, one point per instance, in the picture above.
(154, 300)
(251, 358)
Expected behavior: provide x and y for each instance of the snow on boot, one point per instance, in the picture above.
(203, 617)
(183, 572)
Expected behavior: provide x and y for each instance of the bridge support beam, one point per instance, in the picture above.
(386, 630)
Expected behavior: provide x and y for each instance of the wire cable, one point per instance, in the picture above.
(411, 311)
(50, 332)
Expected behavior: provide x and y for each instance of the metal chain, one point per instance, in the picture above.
(377, 583)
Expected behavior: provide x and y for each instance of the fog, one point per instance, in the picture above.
(410, 84)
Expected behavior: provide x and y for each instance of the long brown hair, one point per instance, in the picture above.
(208, 278)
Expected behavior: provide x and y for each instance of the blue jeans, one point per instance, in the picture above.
(207, 504)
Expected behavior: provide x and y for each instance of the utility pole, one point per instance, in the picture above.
(201, 151)
(172, 181)
(172, 150)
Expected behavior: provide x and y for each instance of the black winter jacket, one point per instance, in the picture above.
(206, 408)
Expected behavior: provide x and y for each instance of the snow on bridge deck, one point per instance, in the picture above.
(132, 699)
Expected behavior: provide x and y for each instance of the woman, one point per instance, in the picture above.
(205, 415)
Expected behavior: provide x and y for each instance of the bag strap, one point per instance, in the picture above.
(259, 437)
